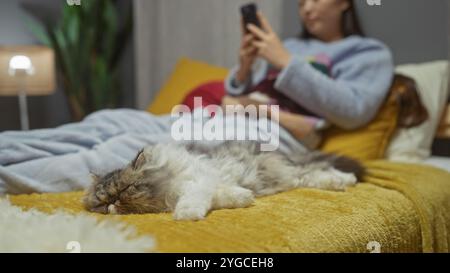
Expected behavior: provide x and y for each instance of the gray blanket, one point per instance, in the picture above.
(62, 159)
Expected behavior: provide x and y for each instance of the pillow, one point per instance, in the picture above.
(367, 143)
(211, 93)
(414, 144)
(188, 74)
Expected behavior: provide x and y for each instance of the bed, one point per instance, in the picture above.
(399, 208)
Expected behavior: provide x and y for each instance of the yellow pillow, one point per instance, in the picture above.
(367, 143)
(188, 75)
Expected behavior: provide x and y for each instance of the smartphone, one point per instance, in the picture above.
(249, 14)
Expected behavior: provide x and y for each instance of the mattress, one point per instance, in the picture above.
(399, 208)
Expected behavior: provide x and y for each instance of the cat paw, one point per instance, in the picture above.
(233, 197)
(331, 180)
(189, 214)
(243, 198)
(342, 181)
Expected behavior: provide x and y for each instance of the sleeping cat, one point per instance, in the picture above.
(192, 179)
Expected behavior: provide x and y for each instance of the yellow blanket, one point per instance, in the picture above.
(402, 208)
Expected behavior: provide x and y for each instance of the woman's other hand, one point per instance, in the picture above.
(247, 55)
(268, 44)
(241, 100)
(229, 100)
(298, 125)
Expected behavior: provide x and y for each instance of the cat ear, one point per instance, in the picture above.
(139, 160)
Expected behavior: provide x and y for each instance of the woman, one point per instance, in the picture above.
(360, 70)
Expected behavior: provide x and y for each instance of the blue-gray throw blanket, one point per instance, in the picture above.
(62, 159)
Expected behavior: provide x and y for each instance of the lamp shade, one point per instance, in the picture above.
(37, 61)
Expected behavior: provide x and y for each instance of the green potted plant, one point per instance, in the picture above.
(88, 40)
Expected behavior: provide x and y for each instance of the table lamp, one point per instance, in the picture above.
(26, 71)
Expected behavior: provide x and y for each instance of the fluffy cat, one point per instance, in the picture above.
(192, 179)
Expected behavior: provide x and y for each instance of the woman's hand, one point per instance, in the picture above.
(229, 100)
(298, 125)
(268, 44)
(241, 100)
(247, 55)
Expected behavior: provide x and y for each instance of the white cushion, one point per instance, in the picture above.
(414, 144)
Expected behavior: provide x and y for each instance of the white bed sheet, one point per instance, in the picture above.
(439, 162)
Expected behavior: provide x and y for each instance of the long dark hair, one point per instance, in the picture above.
(350, 24)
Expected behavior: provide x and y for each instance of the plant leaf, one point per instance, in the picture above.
(38, 31)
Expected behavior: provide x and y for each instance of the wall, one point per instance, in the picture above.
(206, 30)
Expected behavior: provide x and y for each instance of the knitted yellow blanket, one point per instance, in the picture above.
(401, 208)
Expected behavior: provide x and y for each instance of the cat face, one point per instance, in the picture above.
(126, 191)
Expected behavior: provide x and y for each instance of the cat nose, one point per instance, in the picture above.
(112, 209)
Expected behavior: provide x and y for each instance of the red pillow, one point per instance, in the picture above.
(211, 93)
